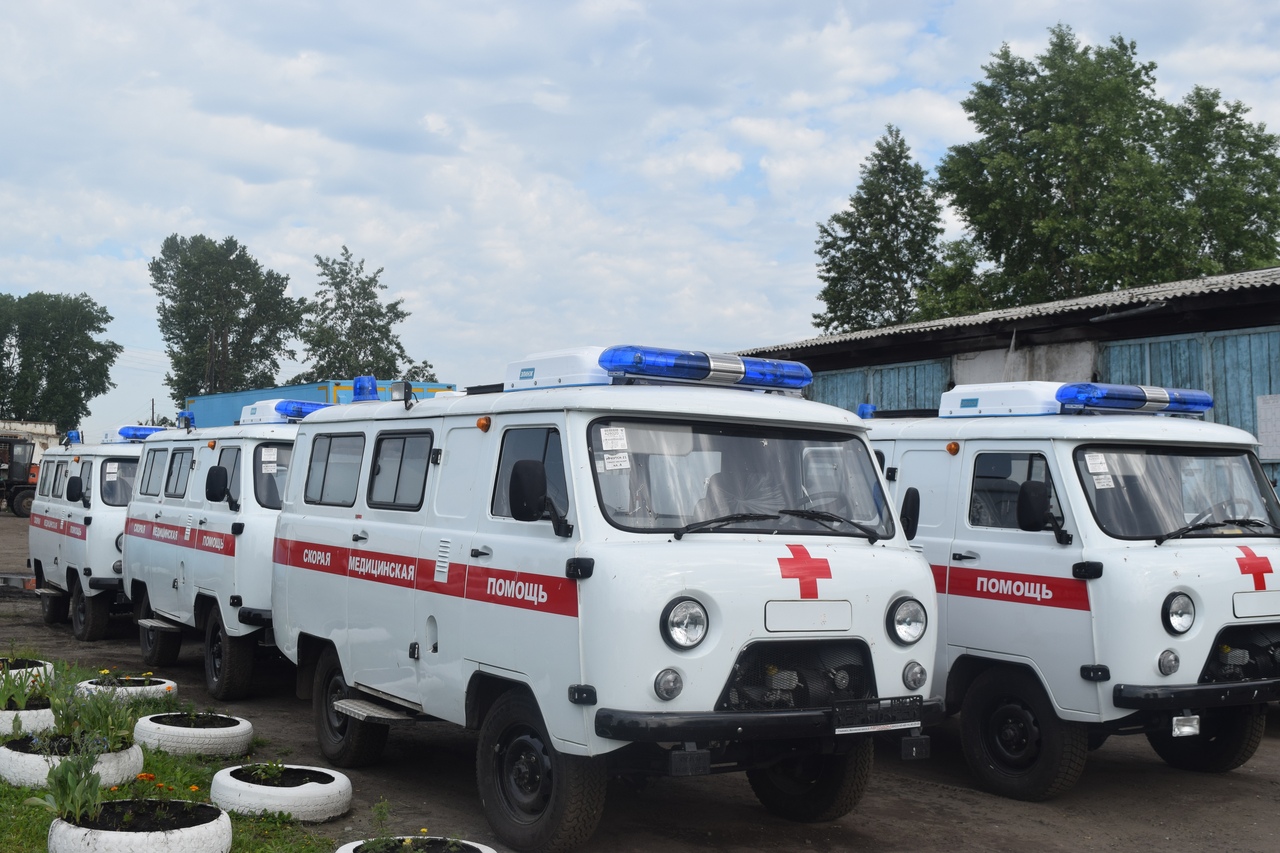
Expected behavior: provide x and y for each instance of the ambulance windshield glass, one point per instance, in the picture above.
(1166, 493)
(668, 476)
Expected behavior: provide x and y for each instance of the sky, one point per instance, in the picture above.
(530, 176)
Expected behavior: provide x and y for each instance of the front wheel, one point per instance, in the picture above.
(21, 503)
(159, 648)
(90, 614)
(1014, 742)
(815, 788)
(228, 660)
(536, 798)
(345, 741)
(54, 608)
(1228, 738)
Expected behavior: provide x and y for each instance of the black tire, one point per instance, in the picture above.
(54, 609)
(21, 503)
(535, 798)
(90, 614)
(159, 648)
(1097, 739)
(815, 788)
(228, 660)
(345, 741)
(1015, 744)
(1228, 738)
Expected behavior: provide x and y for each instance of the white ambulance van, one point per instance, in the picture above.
(1102, 568)
(76, 531)
(605, 574)
(199, 537)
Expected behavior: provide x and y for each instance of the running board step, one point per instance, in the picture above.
(49, 591)
(363, 709)
(158, 625)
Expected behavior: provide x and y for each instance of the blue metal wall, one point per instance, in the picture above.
(914, 385)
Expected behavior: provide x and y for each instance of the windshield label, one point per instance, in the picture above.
(613, 438)
(615, 461)
(1103, 481)
(1097, 463)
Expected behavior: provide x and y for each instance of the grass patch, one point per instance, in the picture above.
(26, 828)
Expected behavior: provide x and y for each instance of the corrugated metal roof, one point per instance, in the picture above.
(1135, 296)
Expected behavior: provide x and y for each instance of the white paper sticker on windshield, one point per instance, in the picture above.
(111, 467)
(1097, 463)
(615, 461)
(269, 454)
(108, 476)
(268, 467)
(613, 438)
(1103, 481)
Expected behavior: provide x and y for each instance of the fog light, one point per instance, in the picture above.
(668, 684)
(117, 567)
(840, 678)
(1169, 662)
(914, 676)
(1188, 726)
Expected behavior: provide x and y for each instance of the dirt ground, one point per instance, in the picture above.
(1127, 799)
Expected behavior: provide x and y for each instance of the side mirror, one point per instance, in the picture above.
(75, 489)
(910, 512)
(528, 490)
(1033, 505)
(215, 484)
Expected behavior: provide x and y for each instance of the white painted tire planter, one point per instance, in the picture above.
(312, 802)
(152, 731)
(32, 769)
(212, 837)
(30, 722)
(32, 669)
(467, 846)
(155, 688)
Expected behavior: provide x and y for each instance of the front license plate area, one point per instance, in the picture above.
(855, 716)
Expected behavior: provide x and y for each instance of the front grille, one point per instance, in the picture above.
(1243, 653)
(801, 674)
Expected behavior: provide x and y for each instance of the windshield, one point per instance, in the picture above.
(1153, 492)
(669, 476)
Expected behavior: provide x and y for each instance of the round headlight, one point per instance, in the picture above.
(684, 623)
(914, 675)
(120, 543)
(1178, 613)
(668, 684)
(907, 621)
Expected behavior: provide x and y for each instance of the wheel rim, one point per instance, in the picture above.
(1013, 735)
(523, 767)
(796, 775)
(78, 607)
(215, 655)
(335, 722)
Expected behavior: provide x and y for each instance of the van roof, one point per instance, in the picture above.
(1102, 428)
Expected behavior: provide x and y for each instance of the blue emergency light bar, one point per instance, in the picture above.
(296, 410)
(364, 389)
(73, 437)
(138, 433)
(683, 365)
(1133, 398)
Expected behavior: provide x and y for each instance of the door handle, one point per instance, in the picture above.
(157, 515)
(359, 537)
(202, 521)
(483, 551)
(958, 557)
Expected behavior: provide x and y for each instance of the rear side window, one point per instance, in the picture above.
(117, 480)
(334, 473)
(542, 444)
(153, 472)
(399, 475)
(175, 485)
(270, 465)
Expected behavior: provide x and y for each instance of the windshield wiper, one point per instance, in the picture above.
(1252, 522)
(1191, 528)
(713, 523)
(822, 516)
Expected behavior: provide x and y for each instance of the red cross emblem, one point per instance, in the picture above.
(1252, 564)
(807, 570)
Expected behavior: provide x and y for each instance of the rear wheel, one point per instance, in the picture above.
(21, 503)
(54, 608)
(1228, 738)
(345, 741)
(535, 797)
(815, 788)
(228, 660)
(159, 648)
(90, 614)
(1014, 742)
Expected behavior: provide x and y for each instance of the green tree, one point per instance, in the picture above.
(873, 256)
(347, 329)
(52, 358)
(1083, 181)
(225, 320)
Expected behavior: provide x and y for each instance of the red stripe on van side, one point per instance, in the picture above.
(544, 593)
(939, 578)
(390, 569)
(46, 522)
(1067, 593)
(215, 542)
(138, 527)
(455, 585)
(330, 559)
(76, 531)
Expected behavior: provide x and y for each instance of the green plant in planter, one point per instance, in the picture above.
(75, 791)
(86, 721)
(267, 772)
(17, 691)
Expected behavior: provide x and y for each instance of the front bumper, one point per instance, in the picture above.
(1222, 694)
(662, 727)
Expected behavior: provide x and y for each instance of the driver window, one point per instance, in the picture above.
(997, 479)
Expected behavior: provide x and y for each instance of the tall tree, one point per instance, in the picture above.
(347, 329)
(225, 320)
(52, 359)
(874, 256)
(1083, 181)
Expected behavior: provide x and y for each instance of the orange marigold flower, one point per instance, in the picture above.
(161, 785)
(168, 688)
(146, 777)
(114, 788)
(195, 788)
